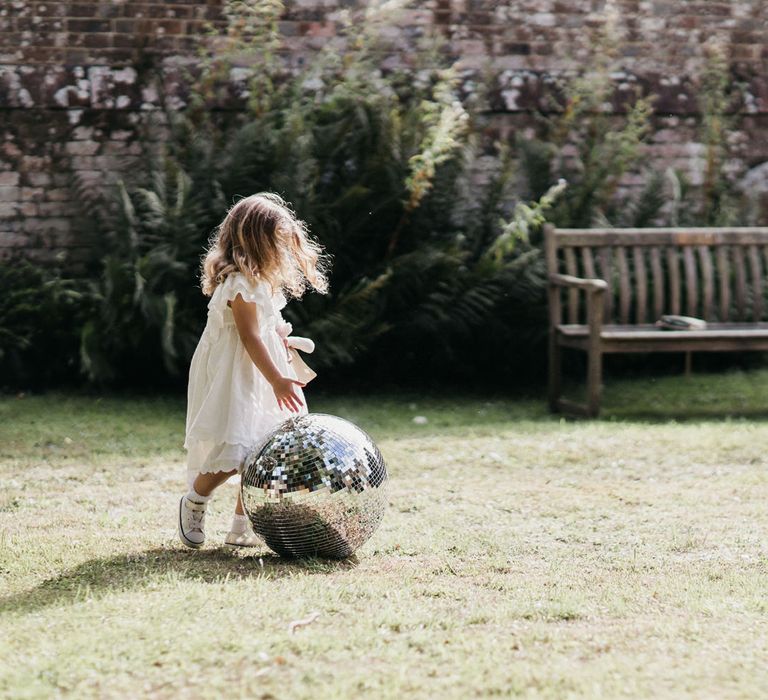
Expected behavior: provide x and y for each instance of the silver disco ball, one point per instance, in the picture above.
(316, 486)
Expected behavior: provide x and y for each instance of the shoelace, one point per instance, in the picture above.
(196, 519)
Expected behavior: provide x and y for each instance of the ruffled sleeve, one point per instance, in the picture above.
(254, 292)
(257, 292)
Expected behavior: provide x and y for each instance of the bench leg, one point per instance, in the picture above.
(555, 373)
(594, 382)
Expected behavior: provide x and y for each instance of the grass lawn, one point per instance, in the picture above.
(522, 555)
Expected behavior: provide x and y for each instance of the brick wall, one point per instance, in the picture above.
(77, 81)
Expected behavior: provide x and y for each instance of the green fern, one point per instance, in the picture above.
(40, 315)
(144, 302)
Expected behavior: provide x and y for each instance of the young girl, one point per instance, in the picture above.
(241, 383)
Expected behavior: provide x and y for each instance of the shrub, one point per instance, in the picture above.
(40, 318)
(436, 278)
(145, 312)
(376, 162)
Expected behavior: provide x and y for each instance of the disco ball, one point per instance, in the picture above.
(315, 486)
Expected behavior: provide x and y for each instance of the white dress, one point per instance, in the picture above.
(230, 404)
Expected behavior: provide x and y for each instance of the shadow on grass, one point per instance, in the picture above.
(127, 572)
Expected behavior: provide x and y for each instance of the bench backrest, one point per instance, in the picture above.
(716, 274)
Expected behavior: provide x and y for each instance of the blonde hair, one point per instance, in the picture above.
(262, 237)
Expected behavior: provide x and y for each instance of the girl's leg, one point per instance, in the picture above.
(192, 507)
(205, 483)
(240, 532)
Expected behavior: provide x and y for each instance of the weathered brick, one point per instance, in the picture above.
(9, 194)
(74, 73)
(31, 194)
(98, 41)
(38, 179)
(47, 225)
(168, 26)
(89, 26)
(86, 9)
(56, 209)
(517, 48)
(59, 194)
(126, 26)
(81, 148)
(8, 210)
(9, 179)
(28, 209)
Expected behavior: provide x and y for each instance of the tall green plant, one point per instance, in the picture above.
(145, 313)
(428, 268)
(40, 316)
(720, 204)
(586, 141)
(716, 200)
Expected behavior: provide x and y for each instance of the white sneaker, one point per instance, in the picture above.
(191, 522)
(242, 539)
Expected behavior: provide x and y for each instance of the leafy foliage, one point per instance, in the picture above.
(585, 142)
(718, 203)
(435, 277)
(40, 315)
(378, 165)
(145, 315)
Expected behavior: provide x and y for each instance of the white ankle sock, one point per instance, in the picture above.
(196, 497)
(239, 524)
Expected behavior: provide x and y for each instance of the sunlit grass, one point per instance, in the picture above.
(522, 554)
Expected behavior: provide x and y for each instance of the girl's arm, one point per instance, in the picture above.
(247, 324)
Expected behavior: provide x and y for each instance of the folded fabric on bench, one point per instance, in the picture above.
(672, 322)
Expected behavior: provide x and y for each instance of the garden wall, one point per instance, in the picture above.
(79, 82)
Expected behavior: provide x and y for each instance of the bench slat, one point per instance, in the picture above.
(658, 283)
(718, 337)
(717, 273)
(674, 280)
(724, 279)
(607, 274)
(624, 290)
(600, 238)
(708, 277)
(740, 277)
(641, 282)
(691, 283)
(765, 258)
(573, 294)
(650, 331)
(756, 274)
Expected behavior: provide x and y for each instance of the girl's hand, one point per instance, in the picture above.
(286, 395)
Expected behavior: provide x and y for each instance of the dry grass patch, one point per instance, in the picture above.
(522, 555)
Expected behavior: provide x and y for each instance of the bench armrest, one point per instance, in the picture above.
(593, 285)
(595, 290)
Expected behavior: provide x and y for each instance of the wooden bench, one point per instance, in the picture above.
(612, 285)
